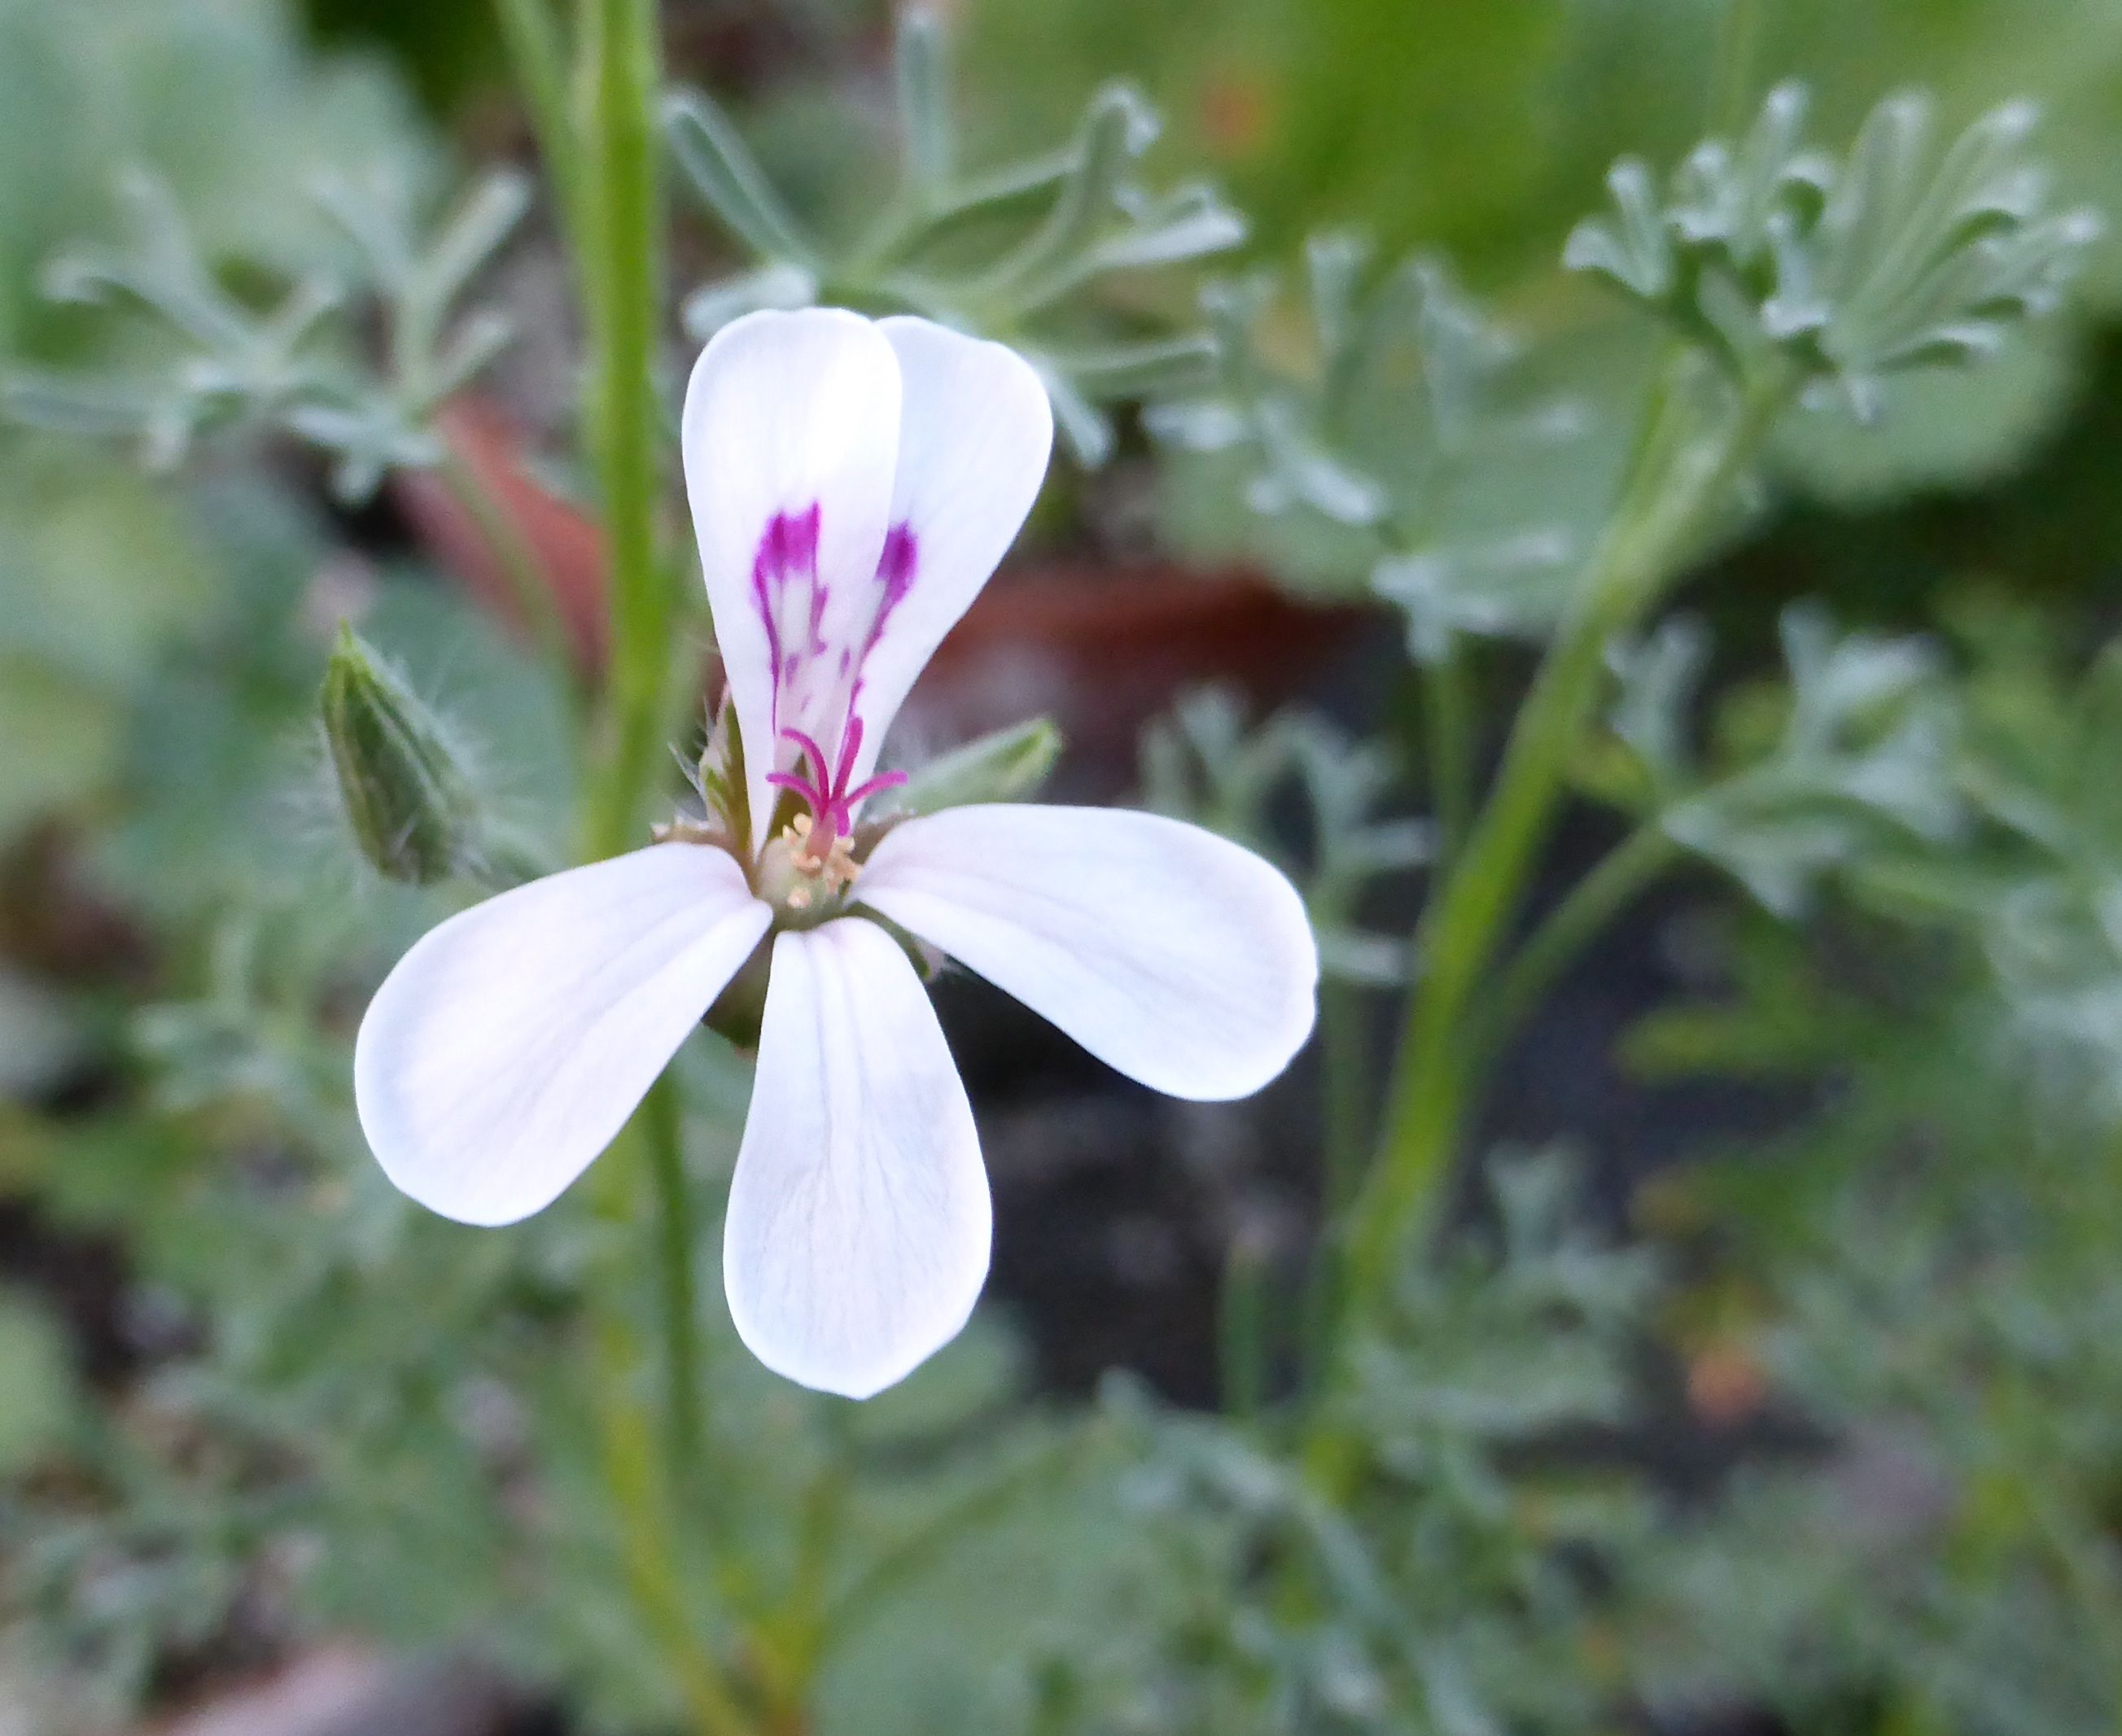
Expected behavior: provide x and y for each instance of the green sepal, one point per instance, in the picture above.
(1009, 765)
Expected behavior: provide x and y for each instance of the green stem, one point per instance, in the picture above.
(610, 195)
(1450, 743)
(663, 1134)
(1677, 480)
(622, 270)
(1344, 1066)
(1241, 1328)
(539, 61)
(627, 1429)
(1562, 935)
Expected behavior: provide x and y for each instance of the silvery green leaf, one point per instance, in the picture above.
(1866, 753)
(1633, 248)
(478, 340)
(1029, 240)
(716, 161)
(1369, 960)
(1902, 255)
(1509, 589)
(1188, 222)
(472, 233)
(160, 267)
(1659, 679)
(1301, 471)
(1118, 126)
(921, 57)
(369, 439)
(1198, 424)
(1151, 368)
(1082, 427)
(63, 404)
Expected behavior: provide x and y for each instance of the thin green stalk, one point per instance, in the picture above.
(1561, 935)
(627, 1429)
(610, 194)
(786, 1652)
(539, 60)
(622, 270)
(1241, 1328)
(1677, 480)
(1344, 1045)
(1345, 1066)
(683, 1375)
(1448, 720)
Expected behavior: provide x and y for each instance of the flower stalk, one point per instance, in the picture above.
(621, 283)
(1679, 478)
(604, 163)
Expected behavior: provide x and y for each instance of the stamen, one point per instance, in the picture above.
(870, 787)
(817, 753)
(850, 746)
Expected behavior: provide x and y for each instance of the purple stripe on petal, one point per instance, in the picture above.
(894, 570)
(788, 551)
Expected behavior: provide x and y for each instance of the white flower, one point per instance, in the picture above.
(853, 484)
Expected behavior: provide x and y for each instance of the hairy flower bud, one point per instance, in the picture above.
(410, 805)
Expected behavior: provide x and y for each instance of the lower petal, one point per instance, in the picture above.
(859, 1221)
(1172, 954)
(510, 1044)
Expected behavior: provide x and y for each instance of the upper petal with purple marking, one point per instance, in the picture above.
(975, 433)
(791, 447)
(833, 582)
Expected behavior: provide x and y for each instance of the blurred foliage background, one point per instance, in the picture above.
(1772, 1382)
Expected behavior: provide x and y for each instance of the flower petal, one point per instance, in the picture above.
(509, 1045)
(791, 442)
(1170, 954)
(975, 433)
(859, 1223)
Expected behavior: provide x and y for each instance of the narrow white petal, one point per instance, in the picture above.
(859, 1223)
(791, 444)
(509, 1045)
(1170, 954)
(975, 433)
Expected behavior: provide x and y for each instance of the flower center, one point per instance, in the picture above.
(805, 871)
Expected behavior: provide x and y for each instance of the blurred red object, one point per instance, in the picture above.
(563, 544)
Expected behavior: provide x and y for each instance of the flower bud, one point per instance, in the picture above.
(1009, 765)
(409, 802)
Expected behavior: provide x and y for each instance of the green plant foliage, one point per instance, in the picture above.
(278, 370)
(1370, 460)
(1864, 754)
(100, 575)
(1002, 252)
(1458, 1590)
(1900, 256)
(325, 1413)
(1201, 764)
